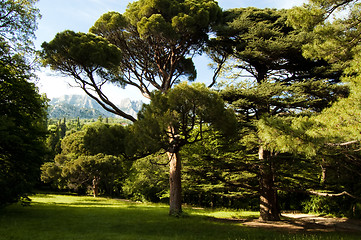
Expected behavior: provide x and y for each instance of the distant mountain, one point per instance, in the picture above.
(73, 106)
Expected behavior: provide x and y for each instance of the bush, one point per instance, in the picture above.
(148, 180)
(341, 206)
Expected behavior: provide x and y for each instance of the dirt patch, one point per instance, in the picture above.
(302, 222)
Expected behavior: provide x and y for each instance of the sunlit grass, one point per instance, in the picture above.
(61, 217)
(79, 201)
(224, 213)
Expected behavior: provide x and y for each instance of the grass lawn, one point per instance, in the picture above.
(64, 217)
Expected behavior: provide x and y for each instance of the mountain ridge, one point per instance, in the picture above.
(84, 107)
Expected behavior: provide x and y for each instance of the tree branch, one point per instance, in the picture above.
(342, 144)
(333, 194)
(217, 71)
(103, 101)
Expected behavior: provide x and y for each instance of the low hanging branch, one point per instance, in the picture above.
(322, 194)
(333, 194)
(342, 144)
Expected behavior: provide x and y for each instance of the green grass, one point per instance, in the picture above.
(52, 217)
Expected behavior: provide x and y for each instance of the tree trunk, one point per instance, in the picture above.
(95, 186)
(323, 172)
(269, 209)
(175, 194)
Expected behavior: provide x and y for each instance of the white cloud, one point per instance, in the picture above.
(56, 86)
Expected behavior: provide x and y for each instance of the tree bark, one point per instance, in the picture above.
(269, 209)
(175, 182)
(95, 186)
(323, 172)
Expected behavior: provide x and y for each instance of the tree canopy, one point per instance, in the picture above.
(18, 23)
(158, 39)
(276, 83)
(150, 47)
(337, 40)
(92, 157)
(22, 118)
(183, 115)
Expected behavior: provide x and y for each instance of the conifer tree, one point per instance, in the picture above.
(276, 82)
(148, 47)
(337, 41)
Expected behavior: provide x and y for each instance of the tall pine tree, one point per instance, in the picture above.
(275, 83)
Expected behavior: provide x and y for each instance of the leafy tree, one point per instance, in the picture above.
(337, 41)
(334, 41)
(100, 172)
(177, 119)
(22, 109)
(94, 156)
(96, 138)
(18, 22)
(22, 133)
(277, 83)
(212, 174)
(149, 47)
(51, 172)
(148, 179)
(53, 141)
(80, 56)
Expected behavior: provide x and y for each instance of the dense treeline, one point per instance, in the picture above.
(282, 134)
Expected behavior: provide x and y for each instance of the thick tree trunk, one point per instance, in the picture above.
(269, 209)
(175, 182)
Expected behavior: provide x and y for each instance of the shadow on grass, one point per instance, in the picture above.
(44, 221)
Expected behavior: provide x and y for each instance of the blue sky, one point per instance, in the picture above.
(80, 15)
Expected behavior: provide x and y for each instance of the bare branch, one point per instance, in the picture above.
(217, 71)
(333, 194)
(342, 144)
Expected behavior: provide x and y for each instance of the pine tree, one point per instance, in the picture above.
(276, 83)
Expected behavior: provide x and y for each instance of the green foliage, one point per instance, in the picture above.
(283, 84)
(18, 23)
(148, 179)
(285, 87)
(91, 60)
(216, 175)
(341, 118)
(289, 63)
(78, 173)
(337, 41)
(291, 134)
(148, 46)
(187, 110)
(334, 40)
(276, 91)
(305, 17)
(22, 133)
(71, 52)
(51, 172)
(156, 38)
(96, 138)
(341, 207)
(22, 109)
(108, 170)
(173, 19)
(95, 152)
